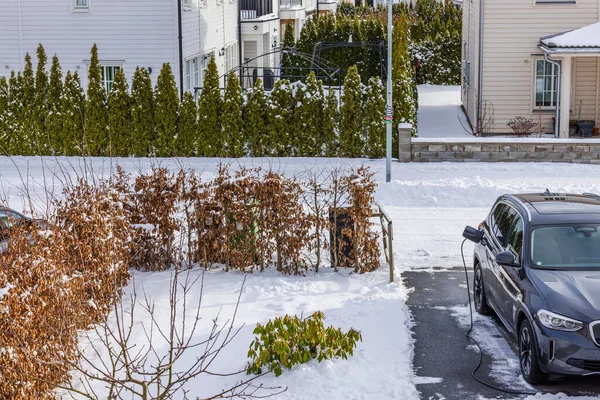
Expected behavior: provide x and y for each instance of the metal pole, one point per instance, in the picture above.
(389, 111)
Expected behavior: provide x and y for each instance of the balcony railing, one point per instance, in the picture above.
(252, 9)
(286, 4)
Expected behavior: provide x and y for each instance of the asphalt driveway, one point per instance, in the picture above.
(445, 357)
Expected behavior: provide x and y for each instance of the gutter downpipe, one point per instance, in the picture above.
(180, 39)
(558, 92)
(241, 71)
(480, 77)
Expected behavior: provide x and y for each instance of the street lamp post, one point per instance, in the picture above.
(389, 118)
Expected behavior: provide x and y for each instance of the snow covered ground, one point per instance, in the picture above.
(430, 205)
(440, 114)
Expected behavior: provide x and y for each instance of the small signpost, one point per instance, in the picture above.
(389, 115)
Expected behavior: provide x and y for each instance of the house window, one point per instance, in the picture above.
(108, 75)
(546, 81)
(194, 71)
(231, 56)
(81, 3)
(186, 4)
(187, 72)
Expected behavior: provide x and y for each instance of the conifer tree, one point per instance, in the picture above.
(119, 117)
(281, 119)
(96, 115)
(405, 100)
(351, 118)
(374, 119)
(142, 113)
(210, 135)
(185, 145)
(15, 114)
(330, 126)
(73, 117)
(40, 103)
(167, 107)
(296, 136)
(233, 131)
(25, 136)
(287, 59)
(310, 114)
(4, 116)
(255, 120)
(54, 124)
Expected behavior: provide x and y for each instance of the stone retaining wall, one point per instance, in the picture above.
(583, 151)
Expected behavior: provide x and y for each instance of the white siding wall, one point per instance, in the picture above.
(512, 29)
(208, 27)
(134, 33)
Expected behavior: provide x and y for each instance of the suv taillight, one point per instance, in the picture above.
(480, 225)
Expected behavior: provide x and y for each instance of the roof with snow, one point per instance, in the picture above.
(582, 40)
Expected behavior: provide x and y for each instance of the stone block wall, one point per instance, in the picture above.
(584, 151)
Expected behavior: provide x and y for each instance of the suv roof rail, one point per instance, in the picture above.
(594, 195)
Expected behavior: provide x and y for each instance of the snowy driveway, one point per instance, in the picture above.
(440, 113)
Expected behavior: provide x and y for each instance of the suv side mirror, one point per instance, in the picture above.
(508, 259)
(472, 234)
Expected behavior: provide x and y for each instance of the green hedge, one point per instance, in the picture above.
(295, 119)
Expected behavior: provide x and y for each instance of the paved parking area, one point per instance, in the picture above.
(445, 357)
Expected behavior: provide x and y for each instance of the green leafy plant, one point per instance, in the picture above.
(287, 341)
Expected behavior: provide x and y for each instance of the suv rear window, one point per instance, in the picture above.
(502, 219)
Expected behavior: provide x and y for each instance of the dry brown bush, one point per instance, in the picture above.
(366, 253)
(60, 280)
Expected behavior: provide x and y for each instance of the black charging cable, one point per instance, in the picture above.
(468, 334)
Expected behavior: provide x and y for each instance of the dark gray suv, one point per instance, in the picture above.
(537, 265)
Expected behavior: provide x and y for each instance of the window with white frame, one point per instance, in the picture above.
(187, 75)
(194, 71)
(546, 82)
(187, 4)
(231, 57)
(81, 4)
(108, 75)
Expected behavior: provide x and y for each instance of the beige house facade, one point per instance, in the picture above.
(532, 58)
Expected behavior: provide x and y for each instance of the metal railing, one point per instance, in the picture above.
(252, 9)
(291, 3)
(388, 238)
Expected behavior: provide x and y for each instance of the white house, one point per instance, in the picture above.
(148, 33)
(533, 58)
(128, 34)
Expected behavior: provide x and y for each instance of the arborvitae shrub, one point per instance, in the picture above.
(331, 118)
(40, 109)
(281, 119)
(54, 122)
(374, 121)
(73, 117)
(96, 115)
(351, 121)
(15, 115)
(255, 120)
(232, 121)
(310, 117)
(167, 105)
(119, 117)
(185, 144)
(25, 139)
(210, 135)
(142, 113)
